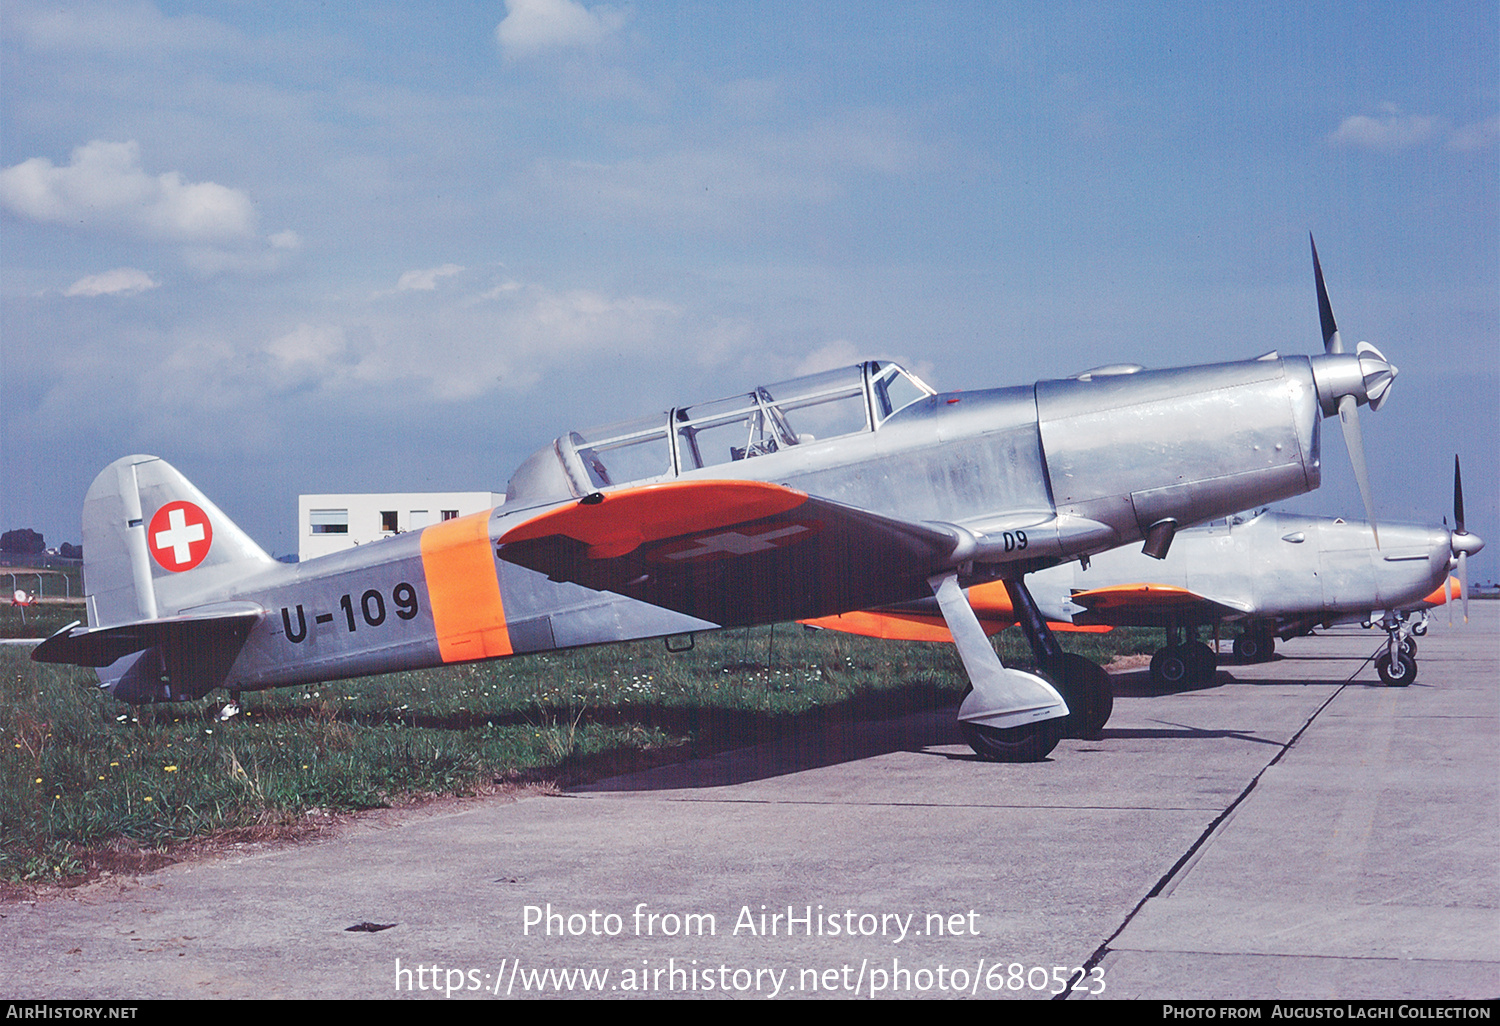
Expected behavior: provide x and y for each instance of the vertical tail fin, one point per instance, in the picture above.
(153, 545)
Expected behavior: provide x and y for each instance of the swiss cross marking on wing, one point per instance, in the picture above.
(737, 542)
(180, 536)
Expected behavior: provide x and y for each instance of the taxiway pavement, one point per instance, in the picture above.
(1295, 830)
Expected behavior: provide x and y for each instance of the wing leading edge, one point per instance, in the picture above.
(1148, 605)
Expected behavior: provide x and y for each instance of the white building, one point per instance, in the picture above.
(328, 523)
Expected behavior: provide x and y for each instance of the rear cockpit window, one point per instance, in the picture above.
(769, 419)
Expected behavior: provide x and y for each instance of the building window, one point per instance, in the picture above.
(388, 521)
(329, 521)
(450, 514)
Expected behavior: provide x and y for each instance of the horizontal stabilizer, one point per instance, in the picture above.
(189, 655)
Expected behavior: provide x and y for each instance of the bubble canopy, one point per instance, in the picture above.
(766, 419)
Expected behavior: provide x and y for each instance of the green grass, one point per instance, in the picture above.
(80, 771)
(36, 621)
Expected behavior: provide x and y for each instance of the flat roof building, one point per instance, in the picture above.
(330, 522)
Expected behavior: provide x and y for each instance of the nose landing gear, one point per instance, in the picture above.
(1397, 662)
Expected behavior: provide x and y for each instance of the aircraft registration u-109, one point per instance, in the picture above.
(845, 490)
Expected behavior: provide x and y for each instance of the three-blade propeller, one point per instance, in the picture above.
(1369, 380)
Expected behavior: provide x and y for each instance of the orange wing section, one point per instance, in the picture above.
(1148, 605)
(618, 524)
(990, 601)
(1449, 589)
(896, 626)
(1133, 596)
(464, 589)
(732, 552)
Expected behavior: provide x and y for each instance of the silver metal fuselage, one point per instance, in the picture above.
(1026, 476)
(1280, 568)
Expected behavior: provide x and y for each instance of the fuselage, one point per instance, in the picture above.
(1271, 566)
(1031, 475)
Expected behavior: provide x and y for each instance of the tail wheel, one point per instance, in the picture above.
(1399, 675)
(1030, 743)
(1086, 688)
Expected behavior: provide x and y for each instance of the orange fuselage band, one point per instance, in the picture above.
(463, 589)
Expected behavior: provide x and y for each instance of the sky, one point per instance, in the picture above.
(398, 247)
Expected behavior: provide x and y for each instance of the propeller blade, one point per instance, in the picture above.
(1458, 497)
(1331, 342)
(1463, 580)
(1355, 443)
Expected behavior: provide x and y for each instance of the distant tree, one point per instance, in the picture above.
(67, 550)
(23, 540)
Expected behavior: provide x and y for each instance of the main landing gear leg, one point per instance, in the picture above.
(1083, 683)
(1185, 662)
(1008, 715)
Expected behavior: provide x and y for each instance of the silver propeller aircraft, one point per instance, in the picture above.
(846, 490)
(1278, 574)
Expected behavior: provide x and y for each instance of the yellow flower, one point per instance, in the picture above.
(170, 769)
(146, 799)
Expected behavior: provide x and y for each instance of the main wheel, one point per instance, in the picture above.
(1029, 743)
(1086, 688)
(1254, 647)
(1401, 674)
(1169, 667)
(1202, 662)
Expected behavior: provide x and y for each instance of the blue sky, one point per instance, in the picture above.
(371, 247)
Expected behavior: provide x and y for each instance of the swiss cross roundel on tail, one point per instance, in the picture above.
(180, 536)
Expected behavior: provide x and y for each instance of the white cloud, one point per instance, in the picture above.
(457, 345)
(308, 344)
(1393, 131)
(117, 26)
(425, 281)
(839, 353)
(105, 186)
(122, 281)
(531, 27)
(1387, 133)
